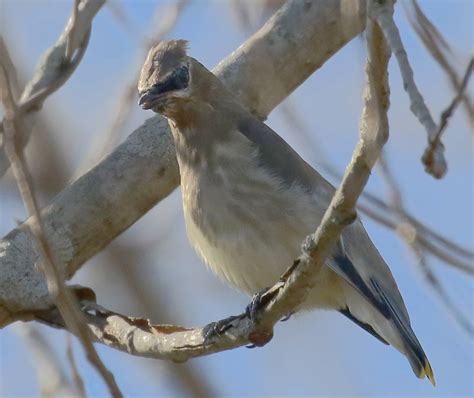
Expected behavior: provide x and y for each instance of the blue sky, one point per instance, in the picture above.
(313, 354)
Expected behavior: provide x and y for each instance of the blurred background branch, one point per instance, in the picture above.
(54, 68)
(62, 298)
(52, 379)
(440, 50)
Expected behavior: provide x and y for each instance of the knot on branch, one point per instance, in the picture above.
(434, 160)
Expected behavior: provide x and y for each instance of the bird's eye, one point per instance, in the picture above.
(182, 75)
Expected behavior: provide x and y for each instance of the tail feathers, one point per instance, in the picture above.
(392, 328)
(414, 352)
(428, 372)
(411, 346)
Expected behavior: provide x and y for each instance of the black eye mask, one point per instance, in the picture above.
(178, 80)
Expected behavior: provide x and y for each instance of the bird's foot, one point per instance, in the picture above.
(252, 312)
(256, 304)
(260, 300)
(215, 329)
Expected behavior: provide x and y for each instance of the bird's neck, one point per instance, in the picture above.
(200, 130)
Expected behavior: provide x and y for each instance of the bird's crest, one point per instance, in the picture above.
(162, 59)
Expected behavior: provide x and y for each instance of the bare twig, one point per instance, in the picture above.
(434, 282)
(468, 268)
(118, 12)
(410, 235)
(441, 240)
(383, 13)
(47, 161)
(55, 68)
(139, 337)
(52, 379)
(7, 63)
(76, 376)
(432, 148)
(439, 49)
(423, 241)
(58, 291)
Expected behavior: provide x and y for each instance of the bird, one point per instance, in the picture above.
(249, 200)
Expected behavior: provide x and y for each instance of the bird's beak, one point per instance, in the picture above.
(146, 100)
(149, 98)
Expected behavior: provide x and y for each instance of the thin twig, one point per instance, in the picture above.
(439, 49)
(410, 235)
(35, 99)
(118, 12)
(58, 291)
(433, 281)
(446, 114)
(52, 379)
(54, 68)
(7, 63)
(76, 375)
(383, 14)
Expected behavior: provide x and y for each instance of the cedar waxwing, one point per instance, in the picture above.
(249, 201)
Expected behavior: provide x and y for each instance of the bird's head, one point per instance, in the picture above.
(165, 79)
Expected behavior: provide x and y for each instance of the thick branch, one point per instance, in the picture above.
(104, 202)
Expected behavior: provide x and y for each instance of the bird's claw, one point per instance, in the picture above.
(256, 305)
(259, 300)
(286, 317)
(215, 329)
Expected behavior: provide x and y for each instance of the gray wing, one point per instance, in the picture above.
(355, 258)
(281, 159)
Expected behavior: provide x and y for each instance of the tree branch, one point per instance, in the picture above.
(435, 142)
(439, 49)
(49, 265)
(409, 233)
(54, 69)
(383, 12)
